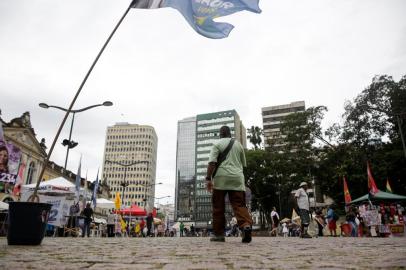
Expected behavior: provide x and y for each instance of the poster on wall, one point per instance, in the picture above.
(10, 156)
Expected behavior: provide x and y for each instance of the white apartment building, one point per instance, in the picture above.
(273, 117)
(129, 163)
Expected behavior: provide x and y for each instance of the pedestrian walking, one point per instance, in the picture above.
(142, 226)
(88, 213)
(225, 176)
(275, 221)
(351, 217)
(285, 230)
(303, 206)
(111, 223)
(234, 226)
(319, 218)
(332, 218)
(181, 229)
(150, 220)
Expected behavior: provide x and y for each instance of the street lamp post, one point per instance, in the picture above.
(125, 184)
(161, 198)
(69, 143)
(145, 191)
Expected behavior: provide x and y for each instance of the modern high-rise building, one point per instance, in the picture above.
(272, 119)
(129, 163)
(196, 136)
(185, 169)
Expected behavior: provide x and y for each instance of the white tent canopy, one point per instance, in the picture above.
(3, 206)
(103, 203)
(56, 185)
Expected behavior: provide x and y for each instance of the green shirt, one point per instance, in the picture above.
(229, 175)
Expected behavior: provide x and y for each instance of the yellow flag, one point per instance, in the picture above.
(117, 202)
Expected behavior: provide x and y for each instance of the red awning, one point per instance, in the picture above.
(134, 210)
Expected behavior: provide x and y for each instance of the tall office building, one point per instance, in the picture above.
(129, 163)
(207, 132)
(273, 117)
(185, 169)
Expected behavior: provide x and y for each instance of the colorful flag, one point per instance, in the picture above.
(200, 13)
(117, 201)
(19, 181)
(347, 196)
(388, 187)
(371, 182)
(84, 199)
(96, 187)
(78, 180)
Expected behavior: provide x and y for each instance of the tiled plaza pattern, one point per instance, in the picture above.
(199, 253)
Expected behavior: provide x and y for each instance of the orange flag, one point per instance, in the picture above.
(371, 182)
(347, 196)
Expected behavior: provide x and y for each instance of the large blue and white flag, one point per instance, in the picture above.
(95, 188)
(78, 180)
(200, 13)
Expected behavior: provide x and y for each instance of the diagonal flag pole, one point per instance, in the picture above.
(34, 196)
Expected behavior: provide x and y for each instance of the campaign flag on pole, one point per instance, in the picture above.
(371, 182)
(19, 181)
(200, 13)
(388, 187)
(347, 196)
(84, 193)
(78, 180)
(96, 187)
(117, 201)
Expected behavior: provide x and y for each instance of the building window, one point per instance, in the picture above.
(31, 172)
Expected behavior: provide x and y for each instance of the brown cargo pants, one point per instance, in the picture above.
(237, 201)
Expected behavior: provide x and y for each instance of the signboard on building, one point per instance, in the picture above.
(10, 156)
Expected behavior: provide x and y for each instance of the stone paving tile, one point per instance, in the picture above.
(199, 253)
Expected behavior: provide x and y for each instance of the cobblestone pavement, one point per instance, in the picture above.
(199, 253)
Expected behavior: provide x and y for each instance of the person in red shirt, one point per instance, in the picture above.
(142, 226)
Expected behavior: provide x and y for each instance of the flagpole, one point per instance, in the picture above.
(34, 196)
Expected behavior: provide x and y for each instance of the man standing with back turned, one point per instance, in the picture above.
(225, 176)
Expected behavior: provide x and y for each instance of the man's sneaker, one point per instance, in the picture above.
(217, 239)
(306, 236)
(246, 235)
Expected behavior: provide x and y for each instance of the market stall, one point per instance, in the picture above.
(382, 213)
(59, 192)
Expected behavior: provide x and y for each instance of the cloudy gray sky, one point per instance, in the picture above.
(157, 70)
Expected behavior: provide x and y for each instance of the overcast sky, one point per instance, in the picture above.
(157, 70)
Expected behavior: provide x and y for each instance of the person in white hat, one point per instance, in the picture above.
(303, 206)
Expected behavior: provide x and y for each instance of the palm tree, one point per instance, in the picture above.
(255, 136)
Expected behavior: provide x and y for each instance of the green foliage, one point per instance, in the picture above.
(370, 132)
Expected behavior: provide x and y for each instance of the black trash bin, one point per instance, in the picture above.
(27, 222)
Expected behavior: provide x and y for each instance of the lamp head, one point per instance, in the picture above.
(44, 105)
(107, 103)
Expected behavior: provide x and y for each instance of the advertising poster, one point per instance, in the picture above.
(10, 156)
(57, 213)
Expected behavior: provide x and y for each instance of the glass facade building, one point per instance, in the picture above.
(185, 169)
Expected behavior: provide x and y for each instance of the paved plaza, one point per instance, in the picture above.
(199, 253)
